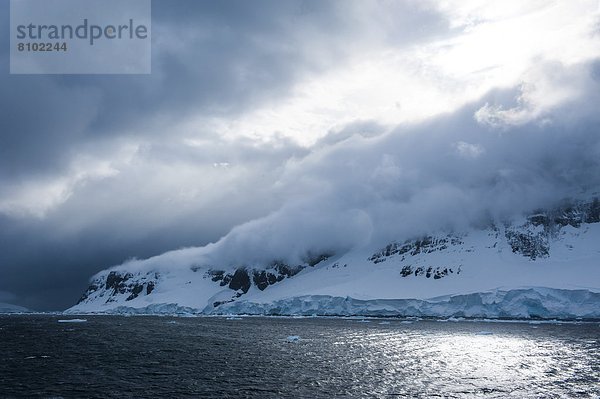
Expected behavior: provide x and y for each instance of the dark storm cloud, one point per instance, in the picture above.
(209, 57)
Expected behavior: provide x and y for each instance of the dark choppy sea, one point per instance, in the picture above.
(168, 357)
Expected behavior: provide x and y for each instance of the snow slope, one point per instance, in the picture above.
(10, 308)
(545, 265)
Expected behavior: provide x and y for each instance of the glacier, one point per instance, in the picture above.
(543, 265)
(10, 308)
(526, 303)
(545, 303)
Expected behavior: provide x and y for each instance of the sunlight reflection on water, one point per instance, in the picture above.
(253, 357)
(475, 363)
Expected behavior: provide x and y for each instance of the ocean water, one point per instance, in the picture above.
(170, 357)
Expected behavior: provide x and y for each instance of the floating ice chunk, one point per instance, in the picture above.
(293, 338)
(484, 333)
(234, 318)
(384, 322)
(72, 321)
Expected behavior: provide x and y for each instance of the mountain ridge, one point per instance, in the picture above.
(554, 249)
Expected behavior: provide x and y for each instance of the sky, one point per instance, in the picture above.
(272, 129)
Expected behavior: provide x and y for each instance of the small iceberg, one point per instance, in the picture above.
(293, 338)
(72, 320)
(384, 322)
(234, 318)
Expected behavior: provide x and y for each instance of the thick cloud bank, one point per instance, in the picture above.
(488, 162)
(478, 165)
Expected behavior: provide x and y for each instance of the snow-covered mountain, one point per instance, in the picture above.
(545, 264)
(10, 308)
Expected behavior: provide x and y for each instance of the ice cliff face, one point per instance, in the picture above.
(487, 272)
(518, 303)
